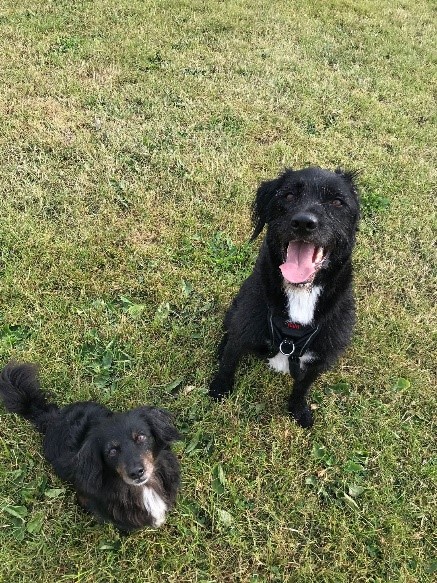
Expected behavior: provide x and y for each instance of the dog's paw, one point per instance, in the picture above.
(302, 415)
(218, 390)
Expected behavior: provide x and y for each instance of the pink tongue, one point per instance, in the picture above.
(299, 265)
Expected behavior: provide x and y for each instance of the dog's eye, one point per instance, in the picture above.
(289, 197)
(337, 202)
(140, 438)
(113, 452)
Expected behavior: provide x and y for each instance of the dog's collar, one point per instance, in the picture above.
(290, 338)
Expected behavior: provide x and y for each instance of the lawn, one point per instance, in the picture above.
(133, 137)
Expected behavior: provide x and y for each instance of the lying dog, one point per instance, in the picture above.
(119, 463)
(297, 307)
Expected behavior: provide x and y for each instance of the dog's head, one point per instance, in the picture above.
(125, 444)
(312, 216)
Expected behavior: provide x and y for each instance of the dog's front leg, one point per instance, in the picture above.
(223, 382)
(297, 402)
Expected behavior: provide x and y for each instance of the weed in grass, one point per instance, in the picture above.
(336, 482)
(21, 517)
(66, 44)
(373, 203)
(105, 362)
(218, 479)
(11, 335)
(227, 257)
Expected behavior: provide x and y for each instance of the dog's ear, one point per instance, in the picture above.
(350, 176)
(88, 475)
(161, 424)
(260, 205)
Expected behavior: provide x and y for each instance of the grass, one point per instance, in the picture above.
(134, 134)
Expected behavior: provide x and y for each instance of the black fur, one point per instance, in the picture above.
(108, 457)
(314, 206)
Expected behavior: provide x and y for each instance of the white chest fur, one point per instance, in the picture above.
(155, 505)
(301, 304)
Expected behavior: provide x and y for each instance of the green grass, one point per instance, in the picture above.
(134, 134)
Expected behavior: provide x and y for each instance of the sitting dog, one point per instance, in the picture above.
(297, 307)
(119, 463)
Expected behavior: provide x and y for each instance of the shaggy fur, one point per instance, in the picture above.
(120, 464)
(302, 280)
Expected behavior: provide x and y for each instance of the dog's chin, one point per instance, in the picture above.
(305, 285)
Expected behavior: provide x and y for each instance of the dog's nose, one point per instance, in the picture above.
(136, 473)
(305, 222)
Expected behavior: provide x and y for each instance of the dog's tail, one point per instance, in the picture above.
(21, 394)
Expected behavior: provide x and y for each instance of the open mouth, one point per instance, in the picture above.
(140, 481)
(302, 262)
(136, 482)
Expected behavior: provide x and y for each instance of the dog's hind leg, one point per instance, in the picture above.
(297, 401)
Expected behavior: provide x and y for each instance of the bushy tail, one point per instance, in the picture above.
(20, 392)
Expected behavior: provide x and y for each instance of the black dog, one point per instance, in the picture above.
(297, 307)
(120, 463)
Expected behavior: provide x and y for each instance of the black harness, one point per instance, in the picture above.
(289, 338)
